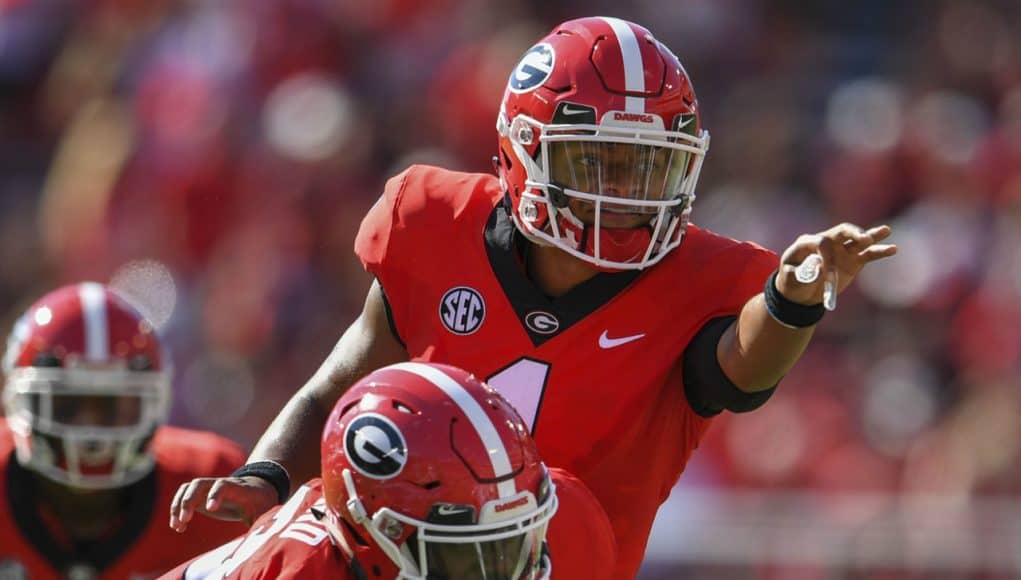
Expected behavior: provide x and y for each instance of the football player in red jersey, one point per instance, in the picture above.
(575, 284)
(86, 467)
(426, 473)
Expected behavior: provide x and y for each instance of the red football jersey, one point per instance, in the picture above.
(144, 546)
(290, 542)
(597, 372)
(580, 538)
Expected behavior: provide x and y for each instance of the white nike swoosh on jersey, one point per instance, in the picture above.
(607, 342)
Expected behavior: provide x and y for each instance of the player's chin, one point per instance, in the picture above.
(620, 221)
(611, 218)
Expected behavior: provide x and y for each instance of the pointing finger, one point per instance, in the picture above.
(879, 233)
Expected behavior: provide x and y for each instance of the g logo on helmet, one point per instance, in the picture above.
(533, 69)
(375, 446)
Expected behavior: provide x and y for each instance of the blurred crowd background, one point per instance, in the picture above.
(212, 159)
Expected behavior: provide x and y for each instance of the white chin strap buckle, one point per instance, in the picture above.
(354, 505)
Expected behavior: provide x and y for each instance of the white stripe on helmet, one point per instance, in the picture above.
(97, 331)
(634, 69)
(479, 419)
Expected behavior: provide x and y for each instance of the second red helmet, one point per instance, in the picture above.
(429, 473)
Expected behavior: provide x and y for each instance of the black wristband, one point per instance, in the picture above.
(787, 313)
(270, 471)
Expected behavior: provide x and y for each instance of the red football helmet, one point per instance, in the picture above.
(599, 125)
(429, 473)
(86, 388)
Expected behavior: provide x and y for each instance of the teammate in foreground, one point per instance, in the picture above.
(85, 464)
(574, 283)
(426, 473)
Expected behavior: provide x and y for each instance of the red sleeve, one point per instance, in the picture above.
(203, 565)
(706, 387)
(420, 209)
(283, 558)
(722, 272)
(285, 542)
(580, 536)
(381, 226)
(378, 246)
(759, 264)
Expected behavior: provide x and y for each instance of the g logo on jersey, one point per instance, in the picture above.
(375, 446)
(542, 322)
(462, 310)
(533, 69)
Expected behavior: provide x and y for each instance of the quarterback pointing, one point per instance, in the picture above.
(574, 282)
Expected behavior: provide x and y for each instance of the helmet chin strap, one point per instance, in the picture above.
(354, 503)
(361, 516)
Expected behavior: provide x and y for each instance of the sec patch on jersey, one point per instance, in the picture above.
(462, 310)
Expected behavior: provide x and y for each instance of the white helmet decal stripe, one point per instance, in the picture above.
(97, 332)
(634, 69)
(479, 419)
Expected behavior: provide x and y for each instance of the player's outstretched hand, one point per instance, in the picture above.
(223, 498)
(845, 249)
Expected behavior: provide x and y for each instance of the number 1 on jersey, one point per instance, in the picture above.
(523, 384)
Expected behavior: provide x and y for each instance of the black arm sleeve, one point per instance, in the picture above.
(706, 386)
(390, 316)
